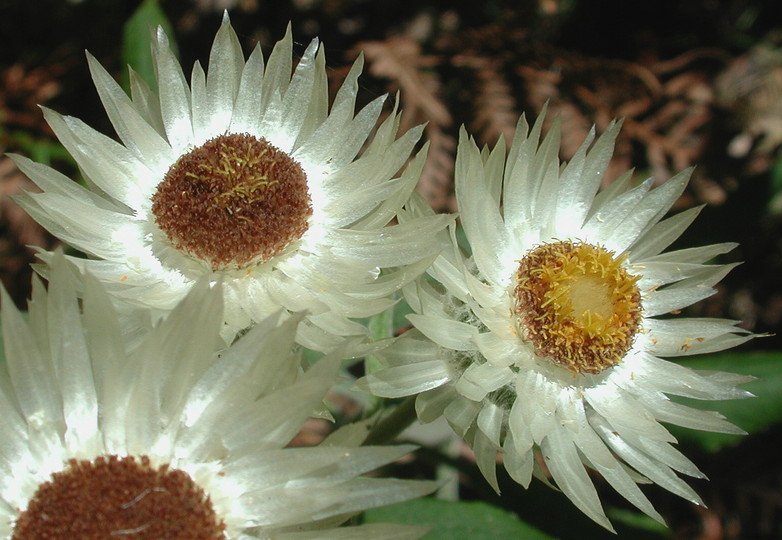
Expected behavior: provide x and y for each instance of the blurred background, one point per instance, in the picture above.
(698, 83)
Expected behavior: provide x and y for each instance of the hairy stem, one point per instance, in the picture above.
(387, 429)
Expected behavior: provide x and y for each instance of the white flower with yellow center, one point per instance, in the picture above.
(547, 336)
(243, 175)
(170, 440)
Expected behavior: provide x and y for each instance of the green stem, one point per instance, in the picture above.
(381, 326)
(393, 424)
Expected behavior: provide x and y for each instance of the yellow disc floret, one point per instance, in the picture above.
(578, 305)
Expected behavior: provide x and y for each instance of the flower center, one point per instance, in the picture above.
(578, 305)
(232, 202)
(119, 497)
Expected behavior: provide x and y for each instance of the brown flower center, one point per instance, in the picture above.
(578, 305)
(119, 497)
(234, 201)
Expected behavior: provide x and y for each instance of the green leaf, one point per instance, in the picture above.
(455, 520)
(637, 521)
(401, 310)
(753, 415)
(136, 45)
(380, 326)
(461, 240)
(41, 150)
(2, 349)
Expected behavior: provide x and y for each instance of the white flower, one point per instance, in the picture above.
(547, 336)
(170, 440)
(246, 176)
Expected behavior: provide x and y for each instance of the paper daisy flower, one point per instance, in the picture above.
(242, 174)
(548, 336)
(169, 440)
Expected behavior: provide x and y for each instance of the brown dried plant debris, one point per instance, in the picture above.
(17, 231)
(496, 113)
(666, 119)
(752, 84)
(675, 109)
(21, 93)
(668, 106)
(702, 107)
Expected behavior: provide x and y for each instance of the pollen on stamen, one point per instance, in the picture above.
(119, 497)
(232, 202)
(578, 305)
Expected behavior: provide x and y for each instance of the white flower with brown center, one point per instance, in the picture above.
(244, 175)
(547, 338)
(170, 440)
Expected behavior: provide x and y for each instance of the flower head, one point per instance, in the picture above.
(243, 175)
(168, 439)
(547, 336)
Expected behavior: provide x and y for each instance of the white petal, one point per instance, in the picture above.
(677, 337)
(174, 95)
(648, 211)
(146, 102)
(461, 413)
(695, 255)
(198, 105)
(31, 375)
(478, 380)
(519, 187)
(298, 92)
(518, 464)
(226, 62)
(606, 463)
(562, 460)
(52, 181)
(480, 216)
(668, 300)
(71, 360)
(412, 241)
(409, 380)
(490, 421)
(486, 458)
(663, 234)
(537, 399)
(431, 405)
(107, 163)
(676, 413)
(445, 332)
(657, 472)
(608, 224)
(247, 108)
(135, 131)
(102, 233)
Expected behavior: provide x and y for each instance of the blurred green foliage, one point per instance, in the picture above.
(138, 31)
(452, 519)
(754, 415)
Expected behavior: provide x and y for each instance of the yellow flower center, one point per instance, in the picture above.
(119, 497)
(578, 305)
(232, 202)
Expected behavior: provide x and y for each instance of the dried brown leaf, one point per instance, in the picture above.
(17, 231)
(496, 114)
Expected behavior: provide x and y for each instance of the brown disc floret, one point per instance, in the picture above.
(234, 201)
(119, 497)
